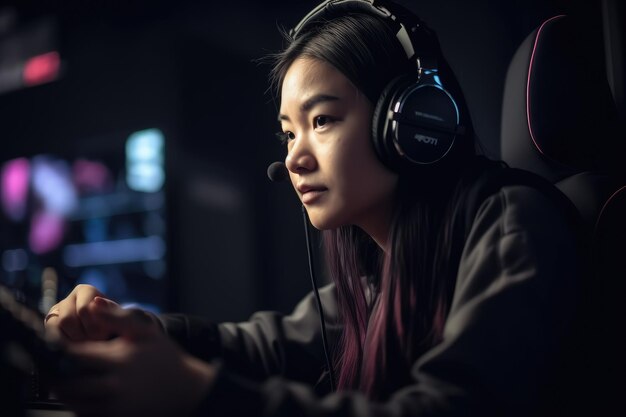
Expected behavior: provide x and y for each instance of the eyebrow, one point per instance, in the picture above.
(310, 103)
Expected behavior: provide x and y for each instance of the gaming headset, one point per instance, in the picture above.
(415, 120)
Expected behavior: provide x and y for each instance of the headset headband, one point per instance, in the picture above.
(415, 119)
(412, 34)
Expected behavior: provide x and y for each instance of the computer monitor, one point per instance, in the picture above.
(97, 219)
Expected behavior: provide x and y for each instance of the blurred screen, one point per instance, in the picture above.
(86, 219)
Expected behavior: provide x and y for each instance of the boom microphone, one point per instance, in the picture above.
(277, 171)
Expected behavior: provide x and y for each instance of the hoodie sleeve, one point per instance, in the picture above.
(269, 343)
(513, 301)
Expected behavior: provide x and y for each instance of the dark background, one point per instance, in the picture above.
(191, 69)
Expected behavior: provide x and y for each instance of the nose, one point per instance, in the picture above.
(300, 158)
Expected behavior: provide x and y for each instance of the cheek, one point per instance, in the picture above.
(366, 177)
(360, 163)
(293, 179)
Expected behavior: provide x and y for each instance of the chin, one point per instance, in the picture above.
(324, 221)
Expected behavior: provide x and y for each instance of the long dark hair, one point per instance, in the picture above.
(393, 305)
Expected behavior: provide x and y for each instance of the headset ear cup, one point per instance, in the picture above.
(425, 129)
(382, 141)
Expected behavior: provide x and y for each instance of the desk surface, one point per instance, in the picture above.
(49, 413)
(46, 409)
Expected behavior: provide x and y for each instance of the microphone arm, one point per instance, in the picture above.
(277, 171)
(331, 373)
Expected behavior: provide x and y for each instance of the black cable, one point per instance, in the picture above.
(277, 171)
(331, 373)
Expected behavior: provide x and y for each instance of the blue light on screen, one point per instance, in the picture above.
(144, 161)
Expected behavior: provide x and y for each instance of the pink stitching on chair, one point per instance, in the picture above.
(530, 68)
(606, 203)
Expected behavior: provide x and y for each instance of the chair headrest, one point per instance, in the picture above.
(558, 116)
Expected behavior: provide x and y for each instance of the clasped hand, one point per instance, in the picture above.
(131, 367)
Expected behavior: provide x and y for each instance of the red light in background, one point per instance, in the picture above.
(42, 68)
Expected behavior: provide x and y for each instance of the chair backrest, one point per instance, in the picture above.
(607, 301)
(559, 120)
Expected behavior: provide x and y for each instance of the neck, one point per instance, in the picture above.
(378, 228)
(381, 239)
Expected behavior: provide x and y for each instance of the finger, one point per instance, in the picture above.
(54, 312)
(132, 323)
(84, 296)
(93, 327)
(105, 302)
(51, 320)
(73, 315)
(54, 307)
(54, 330)
(68, 320)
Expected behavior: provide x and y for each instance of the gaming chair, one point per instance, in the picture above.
(559, 120)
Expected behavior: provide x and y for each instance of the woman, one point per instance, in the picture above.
(428, 314)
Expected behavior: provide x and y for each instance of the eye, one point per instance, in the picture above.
(321, 121)
(285, 137)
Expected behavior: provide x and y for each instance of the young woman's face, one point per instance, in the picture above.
(331, 162)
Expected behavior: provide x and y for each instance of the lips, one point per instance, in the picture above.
(310, 193)
(304, 188)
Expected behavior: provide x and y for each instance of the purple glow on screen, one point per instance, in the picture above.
(46, 232)
(91, 176)
(15, 178)
(52, 185)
